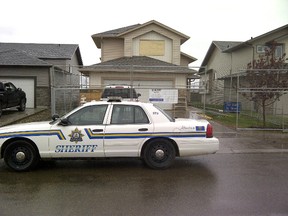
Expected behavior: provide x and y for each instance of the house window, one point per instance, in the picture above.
(152, 47)
(278, 50)
(261, 48)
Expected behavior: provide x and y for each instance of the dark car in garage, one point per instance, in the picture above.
(11, 96)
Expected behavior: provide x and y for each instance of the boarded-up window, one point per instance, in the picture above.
(152, 47)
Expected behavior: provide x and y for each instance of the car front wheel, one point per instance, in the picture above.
(22, 105)
(159, 154)
(21, 156)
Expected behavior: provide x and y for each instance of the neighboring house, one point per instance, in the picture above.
(147, 56)
(216, 64)
(37, 67)
(225, 59)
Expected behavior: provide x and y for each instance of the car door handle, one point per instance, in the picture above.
(143, 129)
(97, 130)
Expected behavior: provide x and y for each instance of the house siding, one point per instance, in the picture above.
(112, 49)
(41, 74)
(184, 61)
(42, 77)
(179, 80)
(70, 66)
(129, 37)
(164, 44)
(228, 63)
(241, 58)
(73, 65)
(221, 67)
(167, 57)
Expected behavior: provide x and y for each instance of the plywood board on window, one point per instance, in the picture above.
(152, 47)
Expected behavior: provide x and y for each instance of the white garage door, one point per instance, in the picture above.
(143, 86)
(28, 86)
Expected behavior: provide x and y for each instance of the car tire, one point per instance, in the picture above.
(22, 105)
(21, 156)
(159, 154)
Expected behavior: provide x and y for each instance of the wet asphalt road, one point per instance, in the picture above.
(220, 184)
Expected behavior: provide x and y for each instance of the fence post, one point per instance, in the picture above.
(237, 95)
(52, 84)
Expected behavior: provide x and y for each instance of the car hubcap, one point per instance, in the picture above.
(159, 154)
(20, 156)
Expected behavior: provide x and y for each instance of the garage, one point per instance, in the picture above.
(27, 85)
(143, 87)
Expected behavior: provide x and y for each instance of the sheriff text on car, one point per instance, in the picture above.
(108, 129)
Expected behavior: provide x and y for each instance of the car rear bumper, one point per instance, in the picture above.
(207, 146)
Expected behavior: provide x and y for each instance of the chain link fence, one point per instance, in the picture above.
(252, 100)
(65, 91)
(227, 97)
(69, 90)
(262, 96)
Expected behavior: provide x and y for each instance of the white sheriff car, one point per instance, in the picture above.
(107, 129)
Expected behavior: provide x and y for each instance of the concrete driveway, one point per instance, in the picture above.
(12, 115)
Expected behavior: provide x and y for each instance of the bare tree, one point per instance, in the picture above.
(267, 79)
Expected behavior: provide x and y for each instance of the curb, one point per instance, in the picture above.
(252, 151)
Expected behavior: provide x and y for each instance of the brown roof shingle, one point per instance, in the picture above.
(137, 63)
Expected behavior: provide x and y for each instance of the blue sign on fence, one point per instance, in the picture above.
(232, 107)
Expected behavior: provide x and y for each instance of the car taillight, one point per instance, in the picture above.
(209, 131)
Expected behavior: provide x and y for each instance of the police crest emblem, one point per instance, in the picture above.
(76, 136)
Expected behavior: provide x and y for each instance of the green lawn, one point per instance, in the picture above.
(245, 119)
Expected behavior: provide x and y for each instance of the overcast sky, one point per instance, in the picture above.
(74, 21)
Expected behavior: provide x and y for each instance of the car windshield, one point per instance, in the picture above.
(56, 118)
(164, 113)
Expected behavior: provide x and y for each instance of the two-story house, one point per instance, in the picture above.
(39, 69)
(146, 56)
(225, 60)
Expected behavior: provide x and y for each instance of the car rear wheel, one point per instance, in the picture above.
(22, 105)
(21, 156)
(159, 154)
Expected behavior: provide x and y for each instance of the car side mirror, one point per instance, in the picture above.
(138, 94)
(55, 117)
(64, 122)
